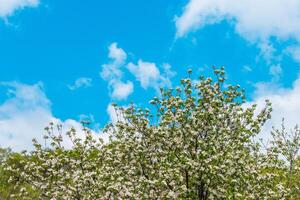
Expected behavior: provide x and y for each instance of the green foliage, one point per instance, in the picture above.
(4, 186)
(287, 144)
(8, 189)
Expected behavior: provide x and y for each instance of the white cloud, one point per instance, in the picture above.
(145, 72)
(117, 54)
(121, 90)
(285, 103)
(118, 58)
(255, 20)
(8, 7)
(252, 18)
(25, 114)
(81, 82)
(148, 74)
(112, 72)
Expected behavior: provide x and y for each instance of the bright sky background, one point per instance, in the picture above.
(64, 61)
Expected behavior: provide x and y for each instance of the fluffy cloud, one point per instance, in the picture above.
(117, 54)
(81, 82)
(25, 114)
(112, 72)
(147, 73)
(118, 58)
(121, 89)
(8, 7)
(255, 20)
(285, 104)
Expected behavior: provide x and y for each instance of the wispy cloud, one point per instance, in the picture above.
(81, 82)
(247, 68)
(8, 7)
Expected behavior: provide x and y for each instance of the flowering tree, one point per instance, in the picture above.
(9, 189)
(198, 144)
(286, 144)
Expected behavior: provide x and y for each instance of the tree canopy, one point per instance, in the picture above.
(197, 141)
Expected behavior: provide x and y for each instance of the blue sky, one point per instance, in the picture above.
(63, 61)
